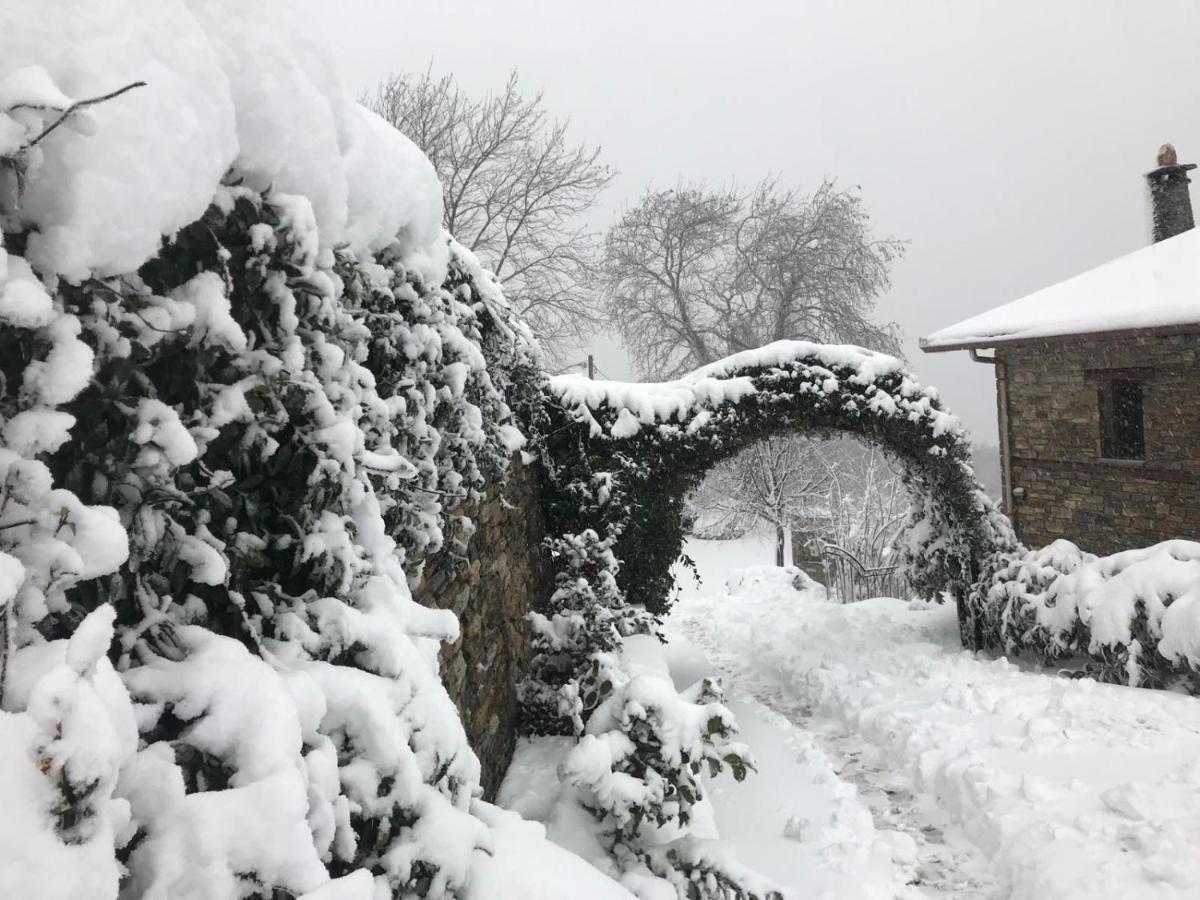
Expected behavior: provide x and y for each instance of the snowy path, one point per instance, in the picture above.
(794, 820)
(1011, 783)
(791, 744)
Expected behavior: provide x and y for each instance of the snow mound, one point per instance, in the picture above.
(102, 192)
(525, 865)
(773, 578)
(103, 201)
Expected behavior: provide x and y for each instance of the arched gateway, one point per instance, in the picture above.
(629, 453)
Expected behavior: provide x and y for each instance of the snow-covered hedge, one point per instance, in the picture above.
(652, 443)
(1134, 616)
(245, 379)
(263, 431)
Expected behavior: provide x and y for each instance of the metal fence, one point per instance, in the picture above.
(848, 580)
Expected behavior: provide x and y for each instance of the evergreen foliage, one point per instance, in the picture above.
(283, 432)
(639, 772)
(952, 528)
(1122, 619)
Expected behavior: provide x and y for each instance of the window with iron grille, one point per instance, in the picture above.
(1122, 424)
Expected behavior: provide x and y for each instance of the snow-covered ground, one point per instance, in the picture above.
(794, 820)
(1008, 782)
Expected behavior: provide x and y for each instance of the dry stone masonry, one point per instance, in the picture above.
(1064, 486)
(502, 579)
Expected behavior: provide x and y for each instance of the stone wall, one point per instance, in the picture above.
(1070, 490)
(503, 578)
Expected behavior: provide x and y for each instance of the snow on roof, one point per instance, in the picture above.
(1154, 287)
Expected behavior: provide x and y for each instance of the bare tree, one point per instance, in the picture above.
(515, 190)
(778, 481)
(867, 505)
(694, 274)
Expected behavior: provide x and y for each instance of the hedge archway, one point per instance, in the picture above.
(621, 457)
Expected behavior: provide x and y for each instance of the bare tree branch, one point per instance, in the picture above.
(696, 273)
(514, 190)
(78, 105)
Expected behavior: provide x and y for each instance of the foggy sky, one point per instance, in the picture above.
(1005, 140)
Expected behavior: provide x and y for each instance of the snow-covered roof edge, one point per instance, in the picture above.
(1153, 289)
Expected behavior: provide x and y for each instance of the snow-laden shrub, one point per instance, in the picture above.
(638, 772)
(631, 791)
(640, 762)
(572, 646)
(1134, 615)
(635, 775)
(66, 733)
(279, 429)
(269, 518)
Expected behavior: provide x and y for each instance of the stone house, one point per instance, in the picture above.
(1098, 390)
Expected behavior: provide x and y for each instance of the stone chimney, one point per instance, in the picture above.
(1169, 195)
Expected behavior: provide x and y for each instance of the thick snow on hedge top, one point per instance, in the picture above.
(103, 193)
(1154, 287)
(685, 401)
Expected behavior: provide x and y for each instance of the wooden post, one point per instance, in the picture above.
(591, 367)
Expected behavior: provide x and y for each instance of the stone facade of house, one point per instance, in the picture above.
(501, 580)
(1061, 484)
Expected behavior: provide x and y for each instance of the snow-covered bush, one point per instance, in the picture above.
(1134, 615)
(245, 380)
(644, 751)
(638, 772)
(572, 644)
(232, 423)
(632, 792)
(574, 639)
(66, 732)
